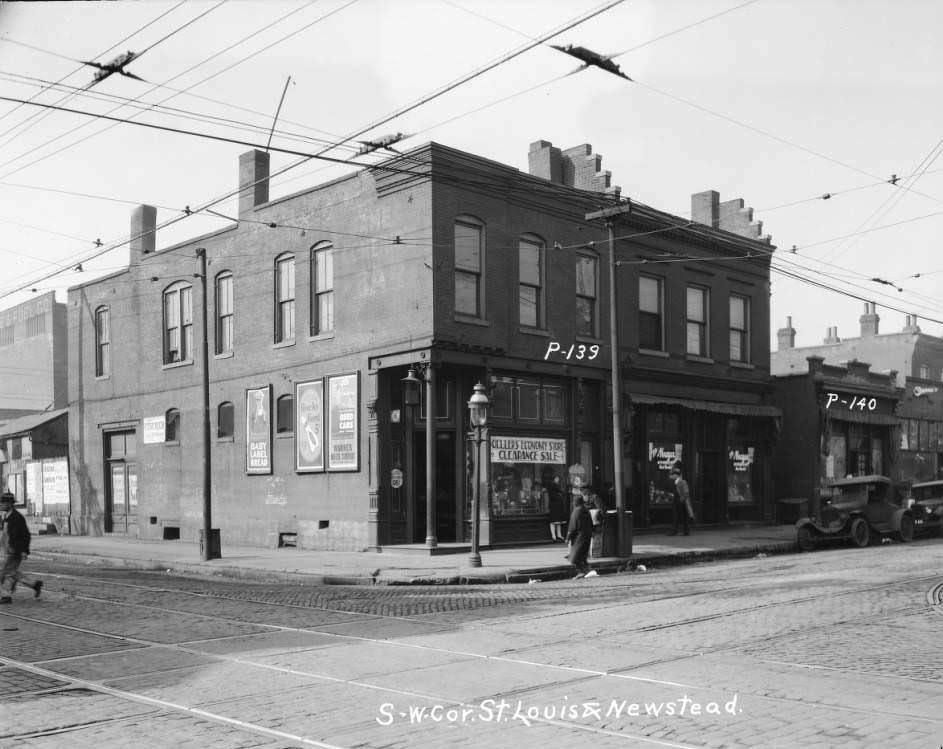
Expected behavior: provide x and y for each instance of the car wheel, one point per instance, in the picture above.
(805, 538)
(906, 532)
(860, 533)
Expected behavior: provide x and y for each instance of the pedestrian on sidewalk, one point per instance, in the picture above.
(559, 512)
(579, 535)
(14, 545)
(682, 502)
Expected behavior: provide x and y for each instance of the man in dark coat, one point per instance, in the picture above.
(682, 502)
(580, 534)
(14, 545)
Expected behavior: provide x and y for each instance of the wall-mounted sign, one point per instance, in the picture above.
(259, 430)
(55, 482)
(396, 478)
(528, 450)
(154, 429)
(921, 390)
(343, 398)
(309, 426)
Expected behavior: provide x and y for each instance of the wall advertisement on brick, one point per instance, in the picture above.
(309, 426)
(259, 429)
(343, 399)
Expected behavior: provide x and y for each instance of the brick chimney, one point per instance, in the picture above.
(575, 167)
(831, 335)
(911, 325)
(253, 180)
(869, 320)
(787, 335)
(143, 232)
(730, 215)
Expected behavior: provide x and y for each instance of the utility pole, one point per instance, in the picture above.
(624, 534)
(206, 546)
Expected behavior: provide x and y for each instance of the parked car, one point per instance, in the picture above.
(927, 507)
(858, 508)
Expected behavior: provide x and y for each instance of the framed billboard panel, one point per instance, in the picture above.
(309, 426)
(343, 402)
(259, 429)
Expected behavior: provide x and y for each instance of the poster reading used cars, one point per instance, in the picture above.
(309, 426)
(259, 430)
(343, 427)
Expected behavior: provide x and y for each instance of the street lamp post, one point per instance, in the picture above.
(478, 416)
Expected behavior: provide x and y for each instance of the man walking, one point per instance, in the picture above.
(580, 534)
(14, 545)
(682, 501)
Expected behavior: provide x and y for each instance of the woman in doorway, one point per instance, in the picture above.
(559, 512)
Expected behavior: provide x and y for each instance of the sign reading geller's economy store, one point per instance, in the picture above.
(528, 450)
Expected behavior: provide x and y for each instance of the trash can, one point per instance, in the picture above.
(215, 546)
(610, 533)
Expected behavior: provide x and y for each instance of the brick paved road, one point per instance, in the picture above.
(834, 648)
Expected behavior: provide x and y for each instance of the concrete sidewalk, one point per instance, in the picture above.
(397, 567)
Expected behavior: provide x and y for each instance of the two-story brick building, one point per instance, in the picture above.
(463, 270)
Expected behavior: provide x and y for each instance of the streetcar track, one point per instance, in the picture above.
(586, 674)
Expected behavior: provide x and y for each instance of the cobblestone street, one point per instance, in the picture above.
(833, 648)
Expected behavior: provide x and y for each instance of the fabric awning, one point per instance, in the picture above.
(862, 417)
(734, 409)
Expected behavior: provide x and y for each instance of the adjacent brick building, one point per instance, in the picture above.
(463, 270)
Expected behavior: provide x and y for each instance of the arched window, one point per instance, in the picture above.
(469, 266)
(225, 420)
(322, 288)
(172, 425)
(224, 313)
(178, 324)
(284, 298)
(102, 342)
(285, 415)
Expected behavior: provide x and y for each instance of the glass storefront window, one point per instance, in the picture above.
(521, 470)
(555, 405)
(528, 404)
(740, 462)
(501, 390)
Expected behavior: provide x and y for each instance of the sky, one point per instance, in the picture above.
(776, 102)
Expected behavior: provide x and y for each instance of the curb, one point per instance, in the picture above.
(610, 565)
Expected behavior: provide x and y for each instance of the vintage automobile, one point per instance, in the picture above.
(927, 506)
(858, 508)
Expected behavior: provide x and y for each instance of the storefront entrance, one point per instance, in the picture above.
(446, 502)
(121, 483)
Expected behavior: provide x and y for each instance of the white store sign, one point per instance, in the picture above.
(154, 429)
(528, 450)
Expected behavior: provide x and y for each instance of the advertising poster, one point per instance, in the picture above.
(55, 478)
(259, 430)
(343, 427)
(309, 426)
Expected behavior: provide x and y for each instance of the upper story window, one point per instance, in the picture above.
(469, 267)
(225, 420)
(102, 342)
(285, 299)
(172, 425)
(531, 260)
(651, 306)
(322, 288)
(587, 295)
(224, 313)
(739, 328)
(696, 320)
(924, 372)
(285, 414)
(178, 324)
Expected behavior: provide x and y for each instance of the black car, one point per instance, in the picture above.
(856, 509)
(927, 507)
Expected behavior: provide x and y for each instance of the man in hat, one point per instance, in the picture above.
(14, 545)
(682, 501)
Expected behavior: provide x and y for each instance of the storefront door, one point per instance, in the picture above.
(710, 499)
(121, 493)
(446, 503)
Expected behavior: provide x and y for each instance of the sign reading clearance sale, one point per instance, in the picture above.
(528, 450)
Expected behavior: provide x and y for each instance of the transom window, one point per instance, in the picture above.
(224, 313)
(586, 295)
(739, 328)
(178, 324)
(102, 342)
(697, 321)
(468, 267)
(651, 305)
(322, 289)
(531, 281)
(285, 299)
(225, 420)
